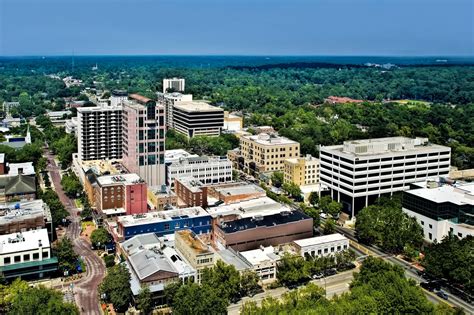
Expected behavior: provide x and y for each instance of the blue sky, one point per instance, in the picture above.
(237, 27)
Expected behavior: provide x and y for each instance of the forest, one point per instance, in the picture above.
(291, 98)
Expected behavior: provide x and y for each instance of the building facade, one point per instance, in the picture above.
(302, 171)
(174, 84)
(321, 246)
(208, 170)
(264, 261)
(266, 153)
(441, 208)
(144, 139)
(197, 119)
(16, 217)
(358, 172)
(191, 192)
(117, 97)
(168, 100)
(99, 133)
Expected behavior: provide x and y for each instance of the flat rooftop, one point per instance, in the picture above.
(176, 155)
(239, 189)
(23, 241)
(192, 184)
(98, 109)
(193, 242)
(266, 139)
(161, 216)
(23, 210)
(321, 240)
(243, 224)
(102, 167)
(195, 106)
(231, 257)
(459, 194)
(258, 256)
(249, 208)
(25, 168)
(127, 179)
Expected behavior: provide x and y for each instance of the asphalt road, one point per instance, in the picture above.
(86, 289)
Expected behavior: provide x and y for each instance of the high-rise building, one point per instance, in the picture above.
(144, 139)
(302, 170)
(197, 119)
(266, 153)
(358, 172)
(99, 133)
(168, 100)
(174, 84)
(117, 97)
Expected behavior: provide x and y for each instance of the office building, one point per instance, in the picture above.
(193, 249)
(251, 233)
(99, 133)
(26, 255)
(266, 153)
(16, 217)
(168, 100)
(321, 246)
(208, 170)
(117, 97)
(264, 262)
(197, 119)
(173, 85)
(144, 139)
(302, 171)
(358, 172)
(190, 192)
(161, 223)
(441, 208)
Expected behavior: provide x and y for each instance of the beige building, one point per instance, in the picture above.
(232, 122)
(267, 153)
(302, 171)
(198, 254)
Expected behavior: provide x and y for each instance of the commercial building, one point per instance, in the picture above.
(144, 139)
(16, 217)
(162, 199)
(25, 168)
(235, 192)
(251, 233)
(168, 100)
(197, 119)
(176, 155)
(26, 255)
(358, 172)
(321, 246)
(266, 153)
(198, 254)
(173, 84)
(117, 97)
(302, 171)
(441, 208)
(17, 187)
(162, 223)
(208, 170)
(190, 192)
(232, 122)
(99, 133)
(264, 262)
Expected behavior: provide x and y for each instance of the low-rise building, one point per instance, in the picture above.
(160, 199)
(441, 208)
(302, 171)
(235, 192)
(161, 223)
(251, 233)
(58, 117)
(190, 192)
(16, 217)
(232, 122)
(176, 155)
(197, 119)
(264, 262)
(199, 255)
(321, 246)
(17, 187)
(26, 255)
(25, 168)
(208, 170)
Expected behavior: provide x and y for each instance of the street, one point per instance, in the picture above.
(86, 289)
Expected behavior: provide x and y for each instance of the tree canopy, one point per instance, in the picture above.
(115, 287)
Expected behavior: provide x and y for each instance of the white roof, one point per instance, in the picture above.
(58, 113)
(249, 208)
(267, 139)
(194, 106)
(114, 211)
(26, 167)
(460, 194)
(24, 241)
(321, 240)
(257, 256)
(130, 178)
(175, 155)
(161, 216)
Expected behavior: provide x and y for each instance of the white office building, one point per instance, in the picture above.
(358, 172)
(321, 246)
(99, 133)
(168, 100)
(441, 208)
(197, 119)
(176, 84)
(208, 170)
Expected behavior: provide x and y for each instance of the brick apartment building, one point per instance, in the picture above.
(190, 192)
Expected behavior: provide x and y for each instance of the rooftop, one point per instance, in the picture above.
(18, 184)
(266, 139)
(125, 179)
(249, 208)
(161, 216)
(194, 106)
(18, 242)
(459, 194)
(239, 189)
(102, 167)
(257, 256)
(307, 158)
(257, 221)
(192, 241)
(25, 168)
(175, 155)
(19, 211)
(119, 93)
(98, 109)
(320, 240)
(231, 257)
(59, 114)
(199, 159)
(191, 184)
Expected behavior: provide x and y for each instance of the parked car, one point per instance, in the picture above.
(330, 272)
(442, 294)
(318, 275)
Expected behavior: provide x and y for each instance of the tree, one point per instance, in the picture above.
(291, 270)
(144, 301)
(58, 212)
(67, 258)
(115, 287)
(86, 213)
(249, 283)
(109, 261)
(313, 198)
(329, 226)
(100, 236)
(277, 179)
(192, 298)
(71, 185)
(313, 213)
(292, 189)
(42, 163)
(224, 278)
(171, 290)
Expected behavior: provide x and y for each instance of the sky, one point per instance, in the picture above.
(237, 27)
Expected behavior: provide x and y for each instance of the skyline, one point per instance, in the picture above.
(271, 28)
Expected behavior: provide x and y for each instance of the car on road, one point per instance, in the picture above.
(330, 272)
(442, 294)
(347, 266)
(318, 275)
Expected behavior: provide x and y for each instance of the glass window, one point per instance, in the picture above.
(151, 147)
(17, 258)
(7, 260)
(151, 134)
(45, 254)
(26, 257)
(151, 159)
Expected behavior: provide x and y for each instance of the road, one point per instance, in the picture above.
(410, 272)
(333, 285)
(86, 289)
